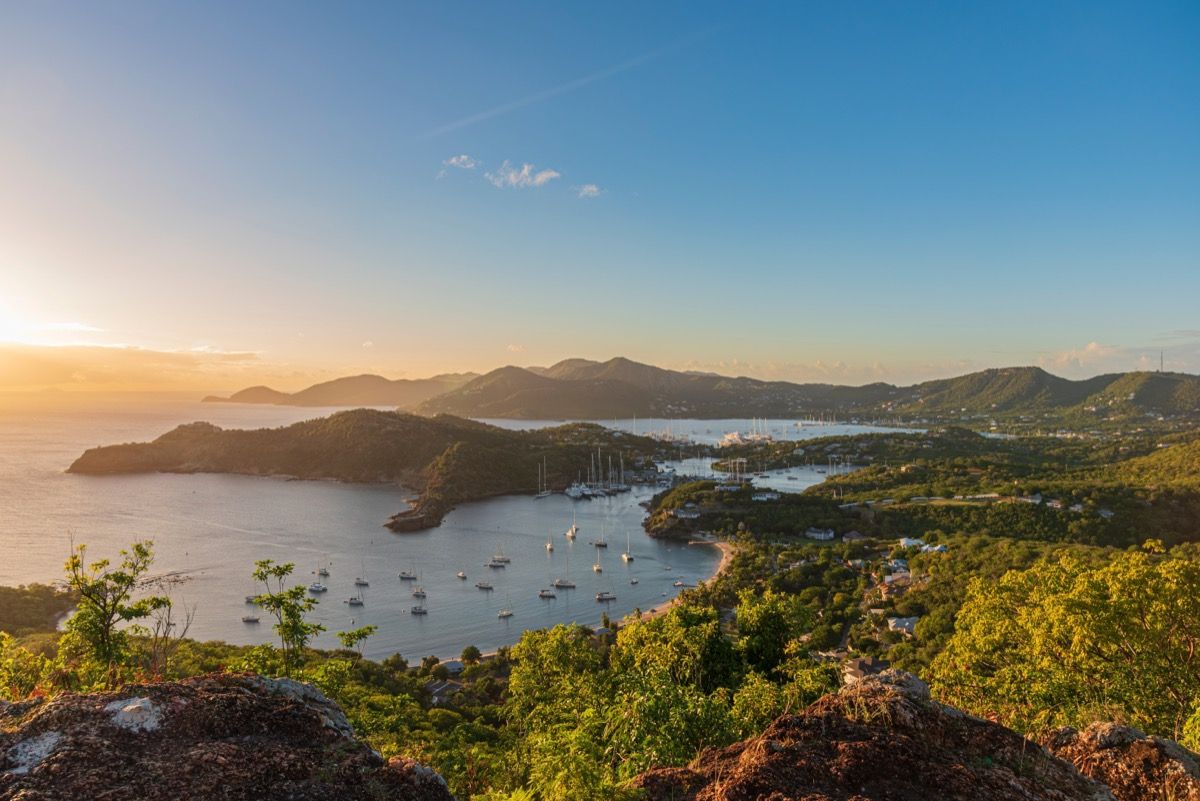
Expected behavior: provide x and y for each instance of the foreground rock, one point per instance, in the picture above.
(881, 739)
(211, 737)
(1135, 767)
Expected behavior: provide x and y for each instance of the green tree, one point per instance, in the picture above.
(288, 605)
(106, 613)
(766, 624)
(353, 640)
(1065, 643)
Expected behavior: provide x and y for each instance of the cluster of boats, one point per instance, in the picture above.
(498, 561)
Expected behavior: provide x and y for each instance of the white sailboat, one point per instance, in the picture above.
(597, 567)
(543, 481)
(627, 556)
(549, 543)
(506, 611)
(361, 579)
(574, 529)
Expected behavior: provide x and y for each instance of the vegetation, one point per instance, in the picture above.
(1066, 642)
(33, 608)
(451, 460)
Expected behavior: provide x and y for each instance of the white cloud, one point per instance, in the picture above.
(463, 162)
(525, 177)
(589, 190)
(516, 348)
(1092, 353)
(368, 345)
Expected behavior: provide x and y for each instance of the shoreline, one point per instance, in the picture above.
(727, 550)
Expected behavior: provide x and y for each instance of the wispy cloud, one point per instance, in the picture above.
(463, 162)
(74, 327)
(368, 345)
(588, 190)
(525, 177)
(513, 348)
(569, 86)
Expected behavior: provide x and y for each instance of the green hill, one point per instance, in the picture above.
(359, 390)
(448, 459)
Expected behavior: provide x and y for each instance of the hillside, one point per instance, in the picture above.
(448, 459)
(883, 738)
(359, 390)
(620, 388)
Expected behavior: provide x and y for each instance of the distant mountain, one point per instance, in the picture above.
(359, 390)
(584, 389)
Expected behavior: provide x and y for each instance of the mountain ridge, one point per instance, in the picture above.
(578, 388)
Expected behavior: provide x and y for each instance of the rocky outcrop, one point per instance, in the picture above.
(211, 737)
(1135, 767)
(880, 739)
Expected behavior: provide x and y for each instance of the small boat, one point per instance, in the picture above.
(549, 544)
(355, 600)
(322, 571)
(317, 586)
(494, 565)
(408, 575)
(605, 596)
(249, 618)
(564, 584)
(506, 611)
(500, 557)
(462, 574)
(359, 580)
(633, 581)
(418, 610)
(483, 585)
(418, 592)
(574, 529)
(547, 594)
(677, 583)
(597, 568)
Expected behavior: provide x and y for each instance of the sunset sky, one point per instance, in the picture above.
(203, 196)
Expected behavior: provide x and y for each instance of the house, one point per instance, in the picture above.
(903, 624)
(853, 536)
(1035, 498)
(769, 495)
(728, 488)
(453, 666)
(902, 577)
(1077, 508)
(909, 542)
(858, 669)
(686, 514)
(1055, 504)
(441, 691)
(934, 549)
(898, 564)
(820, 534)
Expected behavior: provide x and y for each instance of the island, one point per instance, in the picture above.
(447, 460)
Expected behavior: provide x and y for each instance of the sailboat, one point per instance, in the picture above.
(574, 529)
(500, 558)
(355, 600)
(360, 580)
(409, 575)
(506, 611)
(549, 543)
(543, 481)
(628, 554)
(322, 569)
(419, 609)
(547, 594)
(602, 542)
(597, 567)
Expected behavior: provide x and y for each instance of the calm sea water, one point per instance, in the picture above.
(212, 528)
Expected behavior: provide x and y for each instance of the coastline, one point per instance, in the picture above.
(727, 550)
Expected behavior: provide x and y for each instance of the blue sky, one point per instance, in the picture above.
(807, 191)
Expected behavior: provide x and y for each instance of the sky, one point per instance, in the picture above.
(203, 196)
